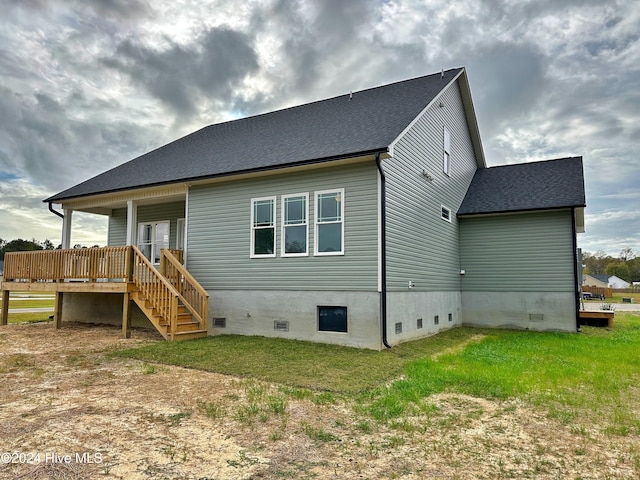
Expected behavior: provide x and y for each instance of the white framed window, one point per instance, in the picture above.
(446, 156)
(263, 227)
(295, 225)
(329, 222)
(152, 237)
(445, 213)
(180, 234)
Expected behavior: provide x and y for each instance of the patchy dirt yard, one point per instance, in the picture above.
(69, 410)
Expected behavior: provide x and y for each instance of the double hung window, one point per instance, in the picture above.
(295, 231)
(329, 222)
(263, 227)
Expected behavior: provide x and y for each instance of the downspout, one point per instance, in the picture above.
(577, 294)
(383, 248)
(54, 211)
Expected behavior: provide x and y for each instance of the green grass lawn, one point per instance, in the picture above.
(617, 297)
(29, 317)
(596, 371)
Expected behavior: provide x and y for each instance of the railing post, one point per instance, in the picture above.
(4, 318)
(163, 263)
(174, 316)
(128, 268)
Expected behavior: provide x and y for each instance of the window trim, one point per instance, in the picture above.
(253, 228)
(153, 224)
(446, 151)
(316, 223)
(284, 225)
(442, 210)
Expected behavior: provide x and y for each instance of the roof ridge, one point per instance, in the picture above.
(300, 105)
(576, 157)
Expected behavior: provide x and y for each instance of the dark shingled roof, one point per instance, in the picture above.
(603, 277)
(543, 185)
(338, 127)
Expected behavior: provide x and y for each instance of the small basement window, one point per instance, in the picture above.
(445, 213)
(332, 319)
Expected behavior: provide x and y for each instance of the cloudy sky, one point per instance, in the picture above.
(88, 84)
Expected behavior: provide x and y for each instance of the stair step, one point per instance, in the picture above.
(188, 327)
(190, 335)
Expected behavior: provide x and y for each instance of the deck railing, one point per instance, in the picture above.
(90, 264)
(192, 295)
(164, 288)
(156, 289)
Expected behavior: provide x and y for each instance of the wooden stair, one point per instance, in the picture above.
(186, 328)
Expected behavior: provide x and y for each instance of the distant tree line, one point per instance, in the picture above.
(625, 266)
(20, 245)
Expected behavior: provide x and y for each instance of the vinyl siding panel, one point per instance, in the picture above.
(219, 233)
(146, 213)
(421, 246)
(527, 252)
(117, 233)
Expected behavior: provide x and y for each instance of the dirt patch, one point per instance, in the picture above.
(63, 397)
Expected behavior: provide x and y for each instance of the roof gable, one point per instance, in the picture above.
(364, 122)
(545, 185)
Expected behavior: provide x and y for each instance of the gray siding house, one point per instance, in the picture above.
(366, 220)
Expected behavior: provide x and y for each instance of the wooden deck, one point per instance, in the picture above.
(597, 318)
(174, 302)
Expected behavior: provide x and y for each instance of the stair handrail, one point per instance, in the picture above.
(194, 297)
(167, 303)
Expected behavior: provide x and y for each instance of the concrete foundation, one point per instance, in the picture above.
(416, 313)
(541, 311)
(100, 308)
(294, 314)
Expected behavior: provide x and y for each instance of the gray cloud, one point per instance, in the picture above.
(179, 75)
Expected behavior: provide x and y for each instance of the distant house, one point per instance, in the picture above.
(366, 219)
(596, 280)
(617, 282)
(604, 280)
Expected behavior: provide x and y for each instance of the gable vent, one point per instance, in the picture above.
(281, 325)
(220, 322)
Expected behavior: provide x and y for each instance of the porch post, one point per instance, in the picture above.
(66, 228)
(132, 222)
(4, 318)
(57, 314)
(126, 316)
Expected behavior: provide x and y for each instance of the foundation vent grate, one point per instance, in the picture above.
(398, 328)
(536, 317)
(220, 322)
(281, 325)
(419, 323)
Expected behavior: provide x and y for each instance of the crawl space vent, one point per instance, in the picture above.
(281, 325)
(536, 317)
(220, 322)
(398, 327)
(419, 323)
